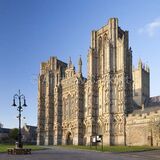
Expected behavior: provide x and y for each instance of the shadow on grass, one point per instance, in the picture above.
(115, 149)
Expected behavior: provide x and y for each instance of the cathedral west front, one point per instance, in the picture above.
(113, 100)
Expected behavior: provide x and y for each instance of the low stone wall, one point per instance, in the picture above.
(143, 129)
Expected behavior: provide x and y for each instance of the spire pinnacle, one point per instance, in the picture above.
(140, 63)
(80, 65)
(69, 62)
(80, 61)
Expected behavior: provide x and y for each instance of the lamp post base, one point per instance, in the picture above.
(19, 151)
(18, 145)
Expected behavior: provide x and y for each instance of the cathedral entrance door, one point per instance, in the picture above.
(69, 139)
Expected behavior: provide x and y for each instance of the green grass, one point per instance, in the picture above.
(115, 148)
(4, 147)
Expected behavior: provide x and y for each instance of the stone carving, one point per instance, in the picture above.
(72, 108)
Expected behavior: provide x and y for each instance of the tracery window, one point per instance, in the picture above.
(100, 54)
(104, 52)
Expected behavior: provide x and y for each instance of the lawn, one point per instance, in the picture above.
(4, 147)
(115, 148)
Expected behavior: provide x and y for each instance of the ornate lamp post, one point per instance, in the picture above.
(20, 97)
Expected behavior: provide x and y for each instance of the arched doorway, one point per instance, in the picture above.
(69, 139)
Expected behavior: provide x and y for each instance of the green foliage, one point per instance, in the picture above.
(1, 125)
(13, 134)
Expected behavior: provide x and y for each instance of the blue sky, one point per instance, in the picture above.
(33, 30)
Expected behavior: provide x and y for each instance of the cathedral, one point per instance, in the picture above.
(113, 100)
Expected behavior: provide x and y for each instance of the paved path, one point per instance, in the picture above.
(56, 153)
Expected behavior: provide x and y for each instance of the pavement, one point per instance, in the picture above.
(57, 153)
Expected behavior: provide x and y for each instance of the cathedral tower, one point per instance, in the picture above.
(49, 101)
(141, 84)
(109, 85)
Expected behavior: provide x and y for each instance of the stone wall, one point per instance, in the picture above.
(143, 129)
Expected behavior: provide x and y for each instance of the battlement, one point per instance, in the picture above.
(53, 64)
(141, 83)
(143, 115)
(111, 31)
(142, 66)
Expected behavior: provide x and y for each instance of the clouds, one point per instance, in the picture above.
(152, 28)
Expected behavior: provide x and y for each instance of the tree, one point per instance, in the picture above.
(1, 125)
(14, 134)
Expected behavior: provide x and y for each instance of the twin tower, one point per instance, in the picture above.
(72, 108)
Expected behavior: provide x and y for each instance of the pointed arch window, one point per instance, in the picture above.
(105, 56)
(100, 54)
(64, 109)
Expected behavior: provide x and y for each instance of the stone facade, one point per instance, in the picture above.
(141, 83)
(143, 125)
(72, 108)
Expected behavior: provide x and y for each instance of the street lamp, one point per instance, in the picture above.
(20, 97)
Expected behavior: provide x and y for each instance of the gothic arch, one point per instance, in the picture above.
(103, 100)
(84, 129)
(106, 52)
(69, 138)
(99, 129)
(44, 85)
(100, 43)
(105, 41)
(84, 134)
(64, 108)
(100, 46)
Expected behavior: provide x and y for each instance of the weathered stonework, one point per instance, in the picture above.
(141, 84)
(143, 129)
(72, 108)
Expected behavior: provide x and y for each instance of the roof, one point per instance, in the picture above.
(153, 101)
(31, 128)
(151, 105)
(4, 130)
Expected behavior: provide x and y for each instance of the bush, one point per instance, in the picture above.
(13, 134)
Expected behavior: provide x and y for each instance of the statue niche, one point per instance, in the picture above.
(68, 107)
